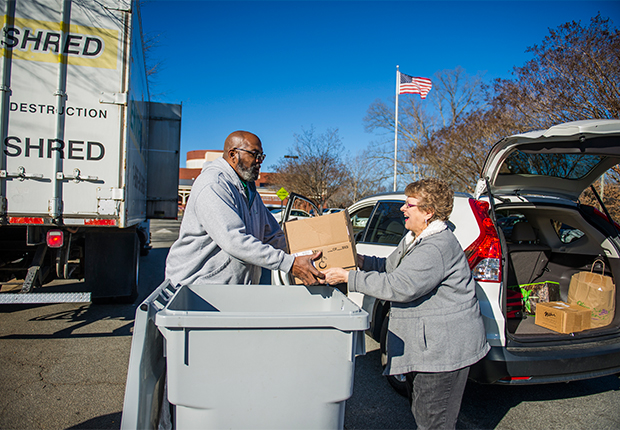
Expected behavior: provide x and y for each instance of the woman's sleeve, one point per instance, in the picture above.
(419, 273)
(375, 264)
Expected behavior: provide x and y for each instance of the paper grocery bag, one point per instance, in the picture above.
(596, 292)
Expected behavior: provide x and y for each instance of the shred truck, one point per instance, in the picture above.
(86, 158)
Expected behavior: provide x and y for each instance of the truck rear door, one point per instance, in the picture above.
(62, 119)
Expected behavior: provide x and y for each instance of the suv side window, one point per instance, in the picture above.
(359, 219)
(387, 225)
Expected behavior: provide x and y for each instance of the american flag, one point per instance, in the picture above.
(411, 85)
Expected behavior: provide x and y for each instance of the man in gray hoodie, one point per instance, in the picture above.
(227, 234)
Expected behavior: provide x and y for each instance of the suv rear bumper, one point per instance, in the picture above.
(525, 365)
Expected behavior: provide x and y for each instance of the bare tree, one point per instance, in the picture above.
(151, 42)
(364, 180)
(454, 94)
(574, 74)
(457, 153)
(610, 197)
(315, 169)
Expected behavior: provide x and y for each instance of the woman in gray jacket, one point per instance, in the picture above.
(435, 330)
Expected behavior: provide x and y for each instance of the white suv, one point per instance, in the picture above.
(523, 225)
(378, 225)
(532, 180)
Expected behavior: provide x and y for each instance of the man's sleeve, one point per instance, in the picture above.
(273, 233)
(217, 213)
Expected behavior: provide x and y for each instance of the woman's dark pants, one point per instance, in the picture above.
(436, 397)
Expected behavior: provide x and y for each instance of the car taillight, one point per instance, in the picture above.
(55, 238)
(485, 253)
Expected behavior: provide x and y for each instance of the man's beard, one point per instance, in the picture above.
(248, 174)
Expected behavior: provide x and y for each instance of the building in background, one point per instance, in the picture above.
(195, 160)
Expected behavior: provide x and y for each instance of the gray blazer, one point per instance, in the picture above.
(435, 323)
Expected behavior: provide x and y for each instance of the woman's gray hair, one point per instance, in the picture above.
(434, 195)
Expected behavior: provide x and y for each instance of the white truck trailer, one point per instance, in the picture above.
(85, 157)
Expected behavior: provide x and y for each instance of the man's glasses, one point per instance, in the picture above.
(258, 156)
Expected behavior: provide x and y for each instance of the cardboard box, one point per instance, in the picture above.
(331, 234)
(562, 317)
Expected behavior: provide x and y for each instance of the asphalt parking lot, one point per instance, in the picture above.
(64, 367)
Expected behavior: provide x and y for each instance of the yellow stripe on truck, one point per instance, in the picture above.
(43, 41)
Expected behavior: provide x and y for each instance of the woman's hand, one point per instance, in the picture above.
(336, 275)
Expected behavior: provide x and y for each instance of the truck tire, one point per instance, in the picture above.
(111, 264)
(145, 246)
(396, 381)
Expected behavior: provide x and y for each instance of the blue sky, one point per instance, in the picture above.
(276, 68)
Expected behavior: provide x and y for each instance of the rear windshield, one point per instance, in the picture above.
(566, 166)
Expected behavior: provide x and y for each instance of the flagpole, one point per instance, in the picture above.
(396, 124)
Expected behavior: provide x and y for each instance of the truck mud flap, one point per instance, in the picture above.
(145, 401)
(33, 276)
(111, 263)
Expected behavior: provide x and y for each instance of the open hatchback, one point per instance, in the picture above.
(532, 182)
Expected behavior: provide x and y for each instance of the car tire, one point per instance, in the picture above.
(396, 381)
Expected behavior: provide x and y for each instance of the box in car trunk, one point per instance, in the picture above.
(562, 317)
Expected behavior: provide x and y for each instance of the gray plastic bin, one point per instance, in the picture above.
(260, 356)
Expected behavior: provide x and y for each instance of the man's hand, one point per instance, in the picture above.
(305, 270)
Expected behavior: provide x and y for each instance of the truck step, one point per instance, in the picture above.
(38, 298)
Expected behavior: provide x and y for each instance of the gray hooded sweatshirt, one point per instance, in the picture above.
(225, 238)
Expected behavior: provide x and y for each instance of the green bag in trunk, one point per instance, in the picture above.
(539, 292)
